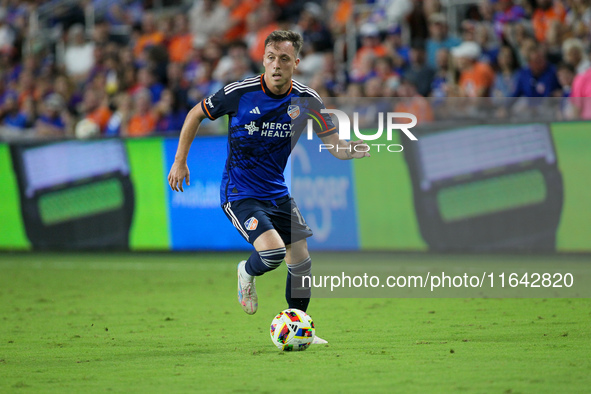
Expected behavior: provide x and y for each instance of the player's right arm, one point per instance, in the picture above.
(179, 169)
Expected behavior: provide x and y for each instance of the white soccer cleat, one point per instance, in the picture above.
(318, 341)
(247, 294)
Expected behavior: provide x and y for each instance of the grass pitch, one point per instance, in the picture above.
(171, 323)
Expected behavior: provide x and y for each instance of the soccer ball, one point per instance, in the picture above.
(292, 329)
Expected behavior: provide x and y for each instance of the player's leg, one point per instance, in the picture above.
(251, 219)
(299, 266)
(298, 291)
(268, 255)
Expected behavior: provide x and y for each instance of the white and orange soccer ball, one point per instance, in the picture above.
(292, 329)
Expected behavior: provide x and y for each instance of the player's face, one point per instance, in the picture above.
(280, 62)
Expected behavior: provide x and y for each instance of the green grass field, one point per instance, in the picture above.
(161, 323)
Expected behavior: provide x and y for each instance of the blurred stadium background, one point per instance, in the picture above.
(506, 78)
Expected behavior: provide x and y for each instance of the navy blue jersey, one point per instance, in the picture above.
(262, 131)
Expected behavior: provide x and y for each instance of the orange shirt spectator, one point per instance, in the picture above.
(413, 103)
(150, 34)
(477, 80)
(181, 43)
(147, 40)
(239, 10)
(548, 12)
(100, 116)
(144, 120)
(257, 51)
(180, 47)
(371, 48)
(142, 124)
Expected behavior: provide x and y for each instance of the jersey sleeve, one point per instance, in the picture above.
(322, 122)
(217, 105)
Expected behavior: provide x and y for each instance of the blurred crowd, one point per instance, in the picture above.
(138, 69)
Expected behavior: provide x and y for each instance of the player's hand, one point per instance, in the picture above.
(178, 172)
(359, 149)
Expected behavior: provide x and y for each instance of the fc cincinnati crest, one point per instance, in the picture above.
(251, 224)
(293, 111)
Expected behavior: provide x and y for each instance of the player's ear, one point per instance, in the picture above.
(297, 61)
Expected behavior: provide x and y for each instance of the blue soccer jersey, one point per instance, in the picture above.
(262, 131)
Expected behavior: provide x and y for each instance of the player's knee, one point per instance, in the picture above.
(272, 258)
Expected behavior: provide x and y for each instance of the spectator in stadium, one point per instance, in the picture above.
(418, 73)
(170, 115)
(578, 17)
(310, 64)
(438, 38)
(412, 102)
(53, 121)
(316, 35)
(7, 34)
(395, 44)
(117, 124)
(538, 79)
(63, 86)
(236, 56)
(566, 75)
(146, 79)
(13, 116)
(181, 43)
(371, 48)
(79, 55)
(265, 22)
(581, 95)
(476, 77)
(441, 80)
(573, 53)
(177, 84)
(94, 108)
(208, 18)
(507, 74)
(150, 34)
(547, 13)
(143, 120)
(373, 87)
(506, 13)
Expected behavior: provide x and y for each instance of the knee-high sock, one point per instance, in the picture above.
(264, 261)
(296, 294)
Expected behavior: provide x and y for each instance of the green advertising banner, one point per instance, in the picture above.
(149, 228)
(12, 231)
(573, 147)
(385, 207)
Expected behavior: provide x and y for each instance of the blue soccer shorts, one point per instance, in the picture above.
(252, 217)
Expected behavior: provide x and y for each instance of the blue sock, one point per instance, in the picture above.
(264, 261)
(296, 295)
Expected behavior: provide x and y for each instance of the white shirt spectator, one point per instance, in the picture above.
(208, 17)
(79, 55)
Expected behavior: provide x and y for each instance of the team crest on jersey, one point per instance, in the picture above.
(251, 224)
(293, 111)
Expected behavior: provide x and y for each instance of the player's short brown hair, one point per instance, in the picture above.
(286, 35)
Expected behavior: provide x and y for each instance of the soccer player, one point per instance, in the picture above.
(261, 135)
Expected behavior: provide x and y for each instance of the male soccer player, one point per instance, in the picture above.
(261, 135)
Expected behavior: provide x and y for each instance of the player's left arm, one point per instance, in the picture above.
(345, 150)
